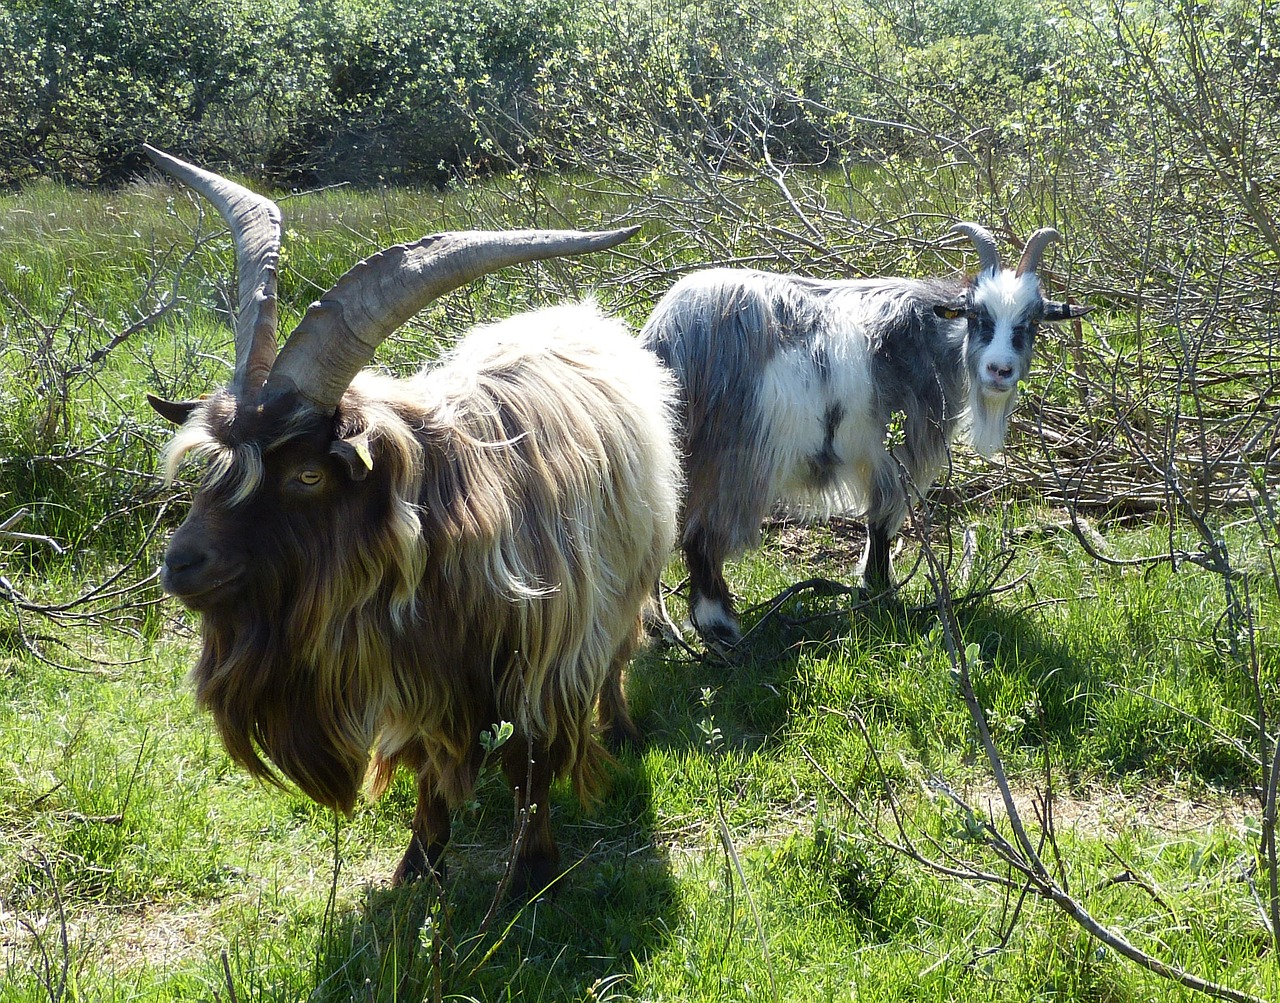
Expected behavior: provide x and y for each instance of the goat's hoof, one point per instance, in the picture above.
(723, 642)
(660, 633)
(652, 624)
(872, 589)
(626, 737)
(535, 878)
(419, 862)
(881, 599)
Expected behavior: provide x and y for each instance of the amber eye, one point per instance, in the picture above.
(310, 477)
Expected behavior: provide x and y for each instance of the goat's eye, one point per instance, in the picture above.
(309, 477)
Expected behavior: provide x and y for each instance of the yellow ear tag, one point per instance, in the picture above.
(361, 446)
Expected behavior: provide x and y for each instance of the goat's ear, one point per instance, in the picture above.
(174, 411)
(354, 454)
(1064, 311)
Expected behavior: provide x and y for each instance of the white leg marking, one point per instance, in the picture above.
(712, 620)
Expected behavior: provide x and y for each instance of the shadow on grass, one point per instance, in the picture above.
(890, 663)
(615, 904)
(1096, 696)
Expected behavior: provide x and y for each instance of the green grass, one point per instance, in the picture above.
(124, 813)
(727, 861)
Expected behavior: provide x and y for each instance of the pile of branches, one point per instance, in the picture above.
(1209, 441)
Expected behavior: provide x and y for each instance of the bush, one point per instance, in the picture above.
(392, 81)
(338, 90)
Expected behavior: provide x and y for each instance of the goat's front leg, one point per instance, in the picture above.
(529, 770)
(430, 834)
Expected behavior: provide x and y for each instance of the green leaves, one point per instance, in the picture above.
(493, 739)
(340, 89)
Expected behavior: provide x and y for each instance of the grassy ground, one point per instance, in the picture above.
(745, 854)
(723, 864)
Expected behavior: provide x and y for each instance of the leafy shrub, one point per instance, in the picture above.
(333, 90)
(392, 80)
(966, 86)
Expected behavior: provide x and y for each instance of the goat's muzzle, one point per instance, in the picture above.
(999, 378)
(196, 574)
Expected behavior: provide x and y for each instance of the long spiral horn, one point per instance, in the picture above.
(255, 230)
(339, 334)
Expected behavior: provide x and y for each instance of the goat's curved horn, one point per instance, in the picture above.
(339, 334)
(1034, 251)
(988, 253)
(255, 229)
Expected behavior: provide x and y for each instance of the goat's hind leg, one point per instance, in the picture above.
(620, 731)
(529, 770)
(877, 574)
(886, 514)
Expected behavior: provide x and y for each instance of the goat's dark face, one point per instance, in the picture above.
(281, 492)
(301, 559)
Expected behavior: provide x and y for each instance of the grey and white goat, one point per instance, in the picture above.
(789, 386)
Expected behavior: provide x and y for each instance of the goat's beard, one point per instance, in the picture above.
(265, 702)
(989, 419)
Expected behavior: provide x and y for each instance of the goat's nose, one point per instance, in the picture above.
(1002, 371)
(184, 559)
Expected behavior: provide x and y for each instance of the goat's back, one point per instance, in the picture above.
(564, 411)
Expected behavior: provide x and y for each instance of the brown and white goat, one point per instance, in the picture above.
(396, 565)
(789, 385)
